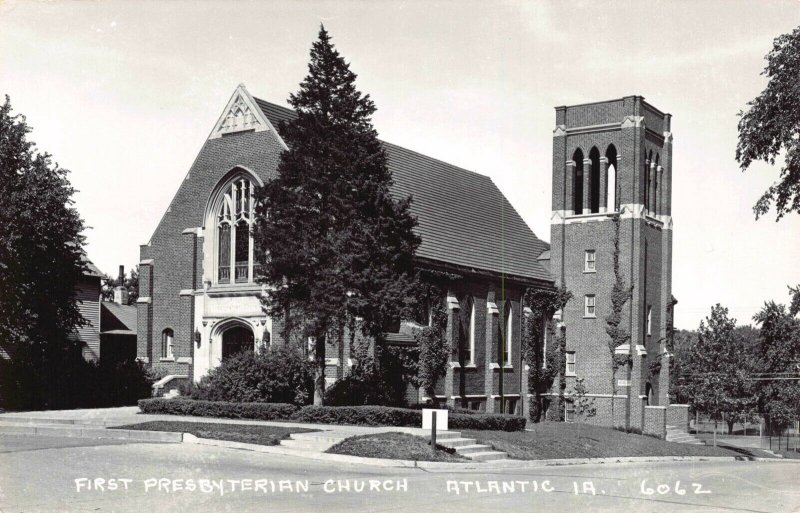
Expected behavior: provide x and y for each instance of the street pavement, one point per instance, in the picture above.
(67, 474)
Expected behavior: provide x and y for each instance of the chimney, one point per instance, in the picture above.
(120, 292)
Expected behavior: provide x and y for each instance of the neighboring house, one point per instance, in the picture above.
(198, 302)
(118, 333)
(110, 329)
(110, 332)
(88, 294)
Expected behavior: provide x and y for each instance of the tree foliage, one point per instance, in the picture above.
(130, 282)
(40, 243)
(281, 375)
(682, 343)
(346, 245)
(545, 362)
(778, 353)
(771, 126)
(620, 294)
(718, 370)
(434, 348)
(370, 384)
(618, 335)
(584, 405)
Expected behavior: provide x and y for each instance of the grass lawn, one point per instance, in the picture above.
(396, 446)
(246, 433)
(789, 455)
(556, 440)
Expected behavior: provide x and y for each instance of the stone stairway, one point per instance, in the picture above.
(468, 447)
(677, 435)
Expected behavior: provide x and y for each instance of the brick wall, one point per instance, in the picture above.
(678, 416)
(655, 421)
(177, 257)
(634, 128)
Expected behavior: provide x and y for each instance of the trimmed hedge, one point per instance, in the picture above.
(451, 409)
(356, 415)
(386, 416)
(256, 411)
(360, 415)
(486, 422)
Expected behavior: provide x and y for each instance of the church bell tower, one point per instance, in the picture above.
(612, 181)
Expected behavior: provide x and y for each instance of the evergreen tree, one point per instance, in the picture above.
(333, 244)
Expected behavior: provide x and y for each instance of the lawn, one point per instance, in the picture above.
(395, 446)
(557, 440)
(246, 433)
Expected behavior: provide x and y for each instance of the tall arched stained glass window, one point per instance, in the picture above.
(234, 241)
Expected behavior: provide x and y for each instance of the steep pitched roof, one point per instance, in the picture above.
(463, 217)
(92, 269)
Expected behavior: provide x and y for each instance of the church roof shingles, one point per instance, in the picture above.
(464, 219)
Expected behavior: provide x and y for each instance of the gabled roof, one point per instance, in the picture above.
(464, 219)
(92, 269)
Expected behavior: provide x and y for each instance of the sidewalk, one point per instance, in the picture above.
(93, 423)
(107, 417)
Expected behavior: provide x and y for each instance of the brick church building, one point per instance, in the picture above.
(199, 301)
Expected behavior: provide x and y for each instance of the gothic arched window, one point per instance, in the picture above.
(577, 183)
(509, 333)
(594, 181)
(612, 198)
(234, 242)
(167, 341)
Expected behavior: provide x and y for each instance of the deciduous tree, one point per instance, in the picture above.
(40, 242)
(778, 358)
(770, 128)
(719, 367)
(131, 283)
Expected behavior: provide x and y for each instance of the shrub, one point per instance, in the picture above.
(282, 375)
(387, 416)
(231, 410)
(42, 377)
(370, 384)
(359, 415)
(355, 415)
(451, 409)
(487, 422)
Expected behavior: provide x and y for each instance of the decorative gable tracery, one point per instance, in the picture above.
(240, 115)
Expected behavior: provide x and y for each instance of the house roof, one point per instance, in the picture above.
(464, 219)
(92, 269)
(124, 317)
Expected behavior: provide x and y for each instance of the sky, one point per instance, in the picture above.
(124, 94)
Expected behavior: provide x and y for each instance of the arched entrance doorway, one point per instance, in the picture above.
(235, 340)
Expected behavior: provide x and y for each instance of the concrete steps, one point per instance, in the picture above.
(679, 436)
(468, 447)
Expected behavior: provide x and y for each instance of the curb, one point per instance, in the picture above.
(187, 438)
(312, 455)
(93, 432)
(467, 465)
